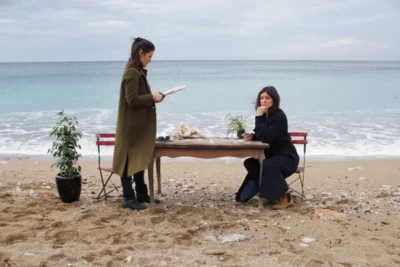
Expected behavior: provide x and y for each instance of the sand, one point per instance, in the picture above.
(351, 217)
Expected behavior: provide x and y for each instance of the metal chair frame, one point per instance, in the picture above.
(104, 181)
(301, 140)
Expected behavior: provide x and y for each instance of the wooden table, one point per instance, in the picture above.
(205, 148)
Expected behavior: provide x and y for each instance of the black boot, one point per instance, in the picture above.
(130, 201)
(132, 204)
(143, 196)
(141, 189)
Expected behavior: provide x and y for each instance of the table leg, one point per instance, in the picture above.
(151, 180)
(261, 157)
(158, 167)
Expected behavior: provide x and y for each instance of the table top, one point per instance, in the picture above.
(212, 143)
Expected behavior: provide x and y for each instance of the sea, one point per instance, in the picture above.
(350, 109)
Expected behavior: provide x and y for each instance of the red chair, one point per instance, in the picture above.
(300, 138)
(105, 139)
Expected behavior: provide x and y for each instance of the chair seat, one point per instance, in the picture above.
(107, 169)
(299, 170)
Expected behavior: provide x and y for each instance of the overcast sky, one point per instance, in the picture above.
(82, 30)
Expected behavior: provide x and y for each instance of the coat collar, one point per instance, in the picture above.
(272, 115)
(143, 71)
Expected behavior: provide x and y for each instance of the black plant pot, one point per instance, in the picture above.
(69, 188)
(239, 133)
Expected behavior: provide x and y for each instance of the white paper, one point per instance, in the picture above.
(174, 90)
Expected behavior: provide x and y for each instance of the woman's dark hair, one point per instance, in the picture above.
(140, 44)
(273, 93)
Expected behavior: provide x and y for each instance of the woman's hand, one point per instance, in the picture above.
(247, 136)
(158, 97)
(261, 110)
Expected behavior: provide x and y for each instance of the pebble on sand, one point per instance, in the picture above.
(232, 238)
(210, 238)
(309, 196)
(354, 168)
(226, 238)
(307, 240)
(28, 254)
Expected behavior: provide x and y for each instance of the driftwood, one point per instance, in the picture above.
(214, 252)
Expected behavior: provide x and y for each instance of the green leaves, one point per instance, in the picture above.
(65, 147)
(236, 123)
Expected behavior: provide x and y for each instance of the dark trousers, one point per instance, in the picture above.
(140, 186)
(250, 185)
(275, 171)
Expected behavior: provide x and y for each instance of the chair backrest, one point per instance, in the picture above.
(103, 139)
(299, 138)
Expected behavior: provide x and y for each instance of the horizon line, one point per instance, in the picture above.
(120, 60)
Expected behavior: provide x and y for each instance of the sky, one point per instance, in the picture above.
(97, 30)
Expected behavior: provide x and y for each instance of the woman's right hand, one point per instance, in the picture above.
(247, 136)
(157, 98)
(261, 110)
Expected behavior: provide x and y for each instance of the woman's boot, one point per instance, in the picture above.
(142, 194)
(285, 202)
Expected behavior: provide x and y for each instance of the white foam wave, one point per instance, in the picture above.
(355, 134)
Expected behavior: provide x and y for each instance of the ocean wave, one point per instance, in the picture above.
(356, 134)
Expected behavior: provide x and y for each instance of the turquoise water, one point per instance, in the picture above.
(348, 108)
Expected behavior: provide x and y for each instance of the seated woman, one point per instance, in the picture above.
(281, 158)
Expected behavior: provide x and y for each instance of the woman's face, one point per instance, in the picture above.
(266, 100)
(145, 58)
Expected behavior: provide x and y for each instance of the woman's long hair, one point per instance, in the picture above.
(140, 44)
(273, 93)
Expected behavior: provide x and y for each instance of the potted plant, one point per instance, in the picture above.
(236, 124)
(65, 151)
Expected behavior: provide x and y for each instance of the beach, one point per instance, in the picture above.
(74, 74)
(335, 66)
(350, 217)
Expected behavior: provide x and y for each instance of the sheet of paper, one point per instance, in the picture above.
(174, 89)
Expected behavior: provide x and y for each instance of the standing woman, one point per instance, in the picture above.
(136, 126)
(281, 158)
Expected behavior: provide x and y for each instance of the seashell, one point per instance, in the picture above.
(183, 131)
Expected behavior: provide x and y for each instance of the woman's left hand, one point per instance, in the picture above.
(158, 97)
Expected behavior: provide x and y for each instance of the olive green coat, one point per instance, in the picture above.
(136, 123)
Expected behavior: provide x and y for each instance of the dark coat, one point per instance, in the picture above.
(273, 129)
(136, 123)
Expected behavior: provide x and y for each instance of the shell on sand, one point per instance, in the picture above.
(329, 215)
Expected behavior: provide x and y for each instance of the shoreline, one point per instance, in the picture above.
(91, 158)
